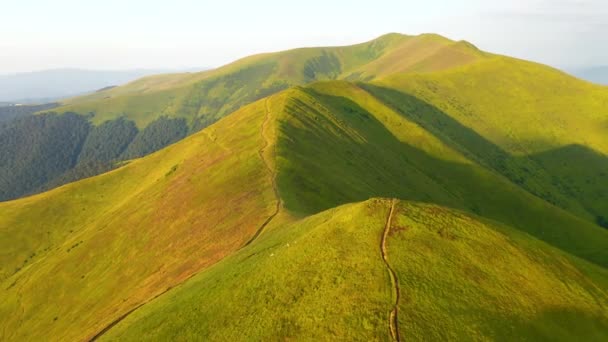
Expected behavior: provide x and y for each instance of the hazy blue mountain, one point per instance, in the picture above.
(596, 74)
(50, 85)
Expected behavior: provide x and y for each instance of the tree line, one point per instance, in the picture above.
(40, 152)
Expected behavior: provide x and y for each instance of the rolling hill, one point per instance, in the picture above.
(165, 108)
(203, 98)
(429, 193)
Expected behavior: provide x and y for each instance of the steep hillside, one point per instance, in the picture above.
(339, 144)
(326, 277)
(203, 98)
(539, 127)
(74, 259)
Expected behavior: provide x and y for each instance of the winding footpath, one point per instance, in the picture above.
(393, 321)
(272, 174)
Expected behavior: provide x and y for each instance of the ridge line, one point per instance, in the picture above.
(393, 322)
(272, 174)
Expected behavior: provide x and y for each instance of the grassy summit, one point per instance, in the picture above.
(203, 98)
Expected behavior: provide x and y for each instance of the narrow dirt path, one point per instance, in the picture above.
(393, 322)
(272, 174)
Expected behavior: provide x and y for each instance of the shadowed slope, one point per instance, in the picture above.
(509, 115)
(338, 144)
(520, 106)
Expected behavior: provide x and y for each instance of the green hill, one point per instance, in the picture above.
(166, 108)
(540, 128)
(340, 144)
(324, 278)
(276, 222)
(203, 98)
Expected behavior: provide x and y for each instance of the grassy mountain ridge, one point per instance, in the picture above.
(203, 98)
(130, 231)
(280, 209)
(205, 197)
(338, 287)
(332, 136)
(518, 122)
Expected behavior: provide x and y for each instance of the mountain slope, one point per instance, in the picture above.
(323, 278)
(41, 152)
(134, 232)
(10, 112)
(339, 144)
(542, 129)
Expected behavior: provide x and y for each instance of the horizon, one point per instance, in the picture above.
(69, 34)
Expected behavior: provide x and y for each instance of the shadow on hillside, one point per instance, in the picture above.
(568, 323)
(343, 154)
(580, 173)
(554, 176)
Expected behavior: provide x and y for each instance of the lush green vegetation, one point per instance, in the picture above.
(319, 279)
(108, 141)
(168, 107)
(35, 150)
(273, 223)
(550, 140)
(158, 134)
(339, 144)
(45, 151)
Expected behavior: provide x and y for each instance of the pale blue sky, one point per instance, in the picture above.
(120, 34)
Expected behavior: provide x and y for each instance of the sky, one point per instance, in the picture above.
(128, 34)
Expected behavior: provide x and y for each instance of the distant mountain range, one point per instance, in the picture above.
(50, 85)
(596, 74)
